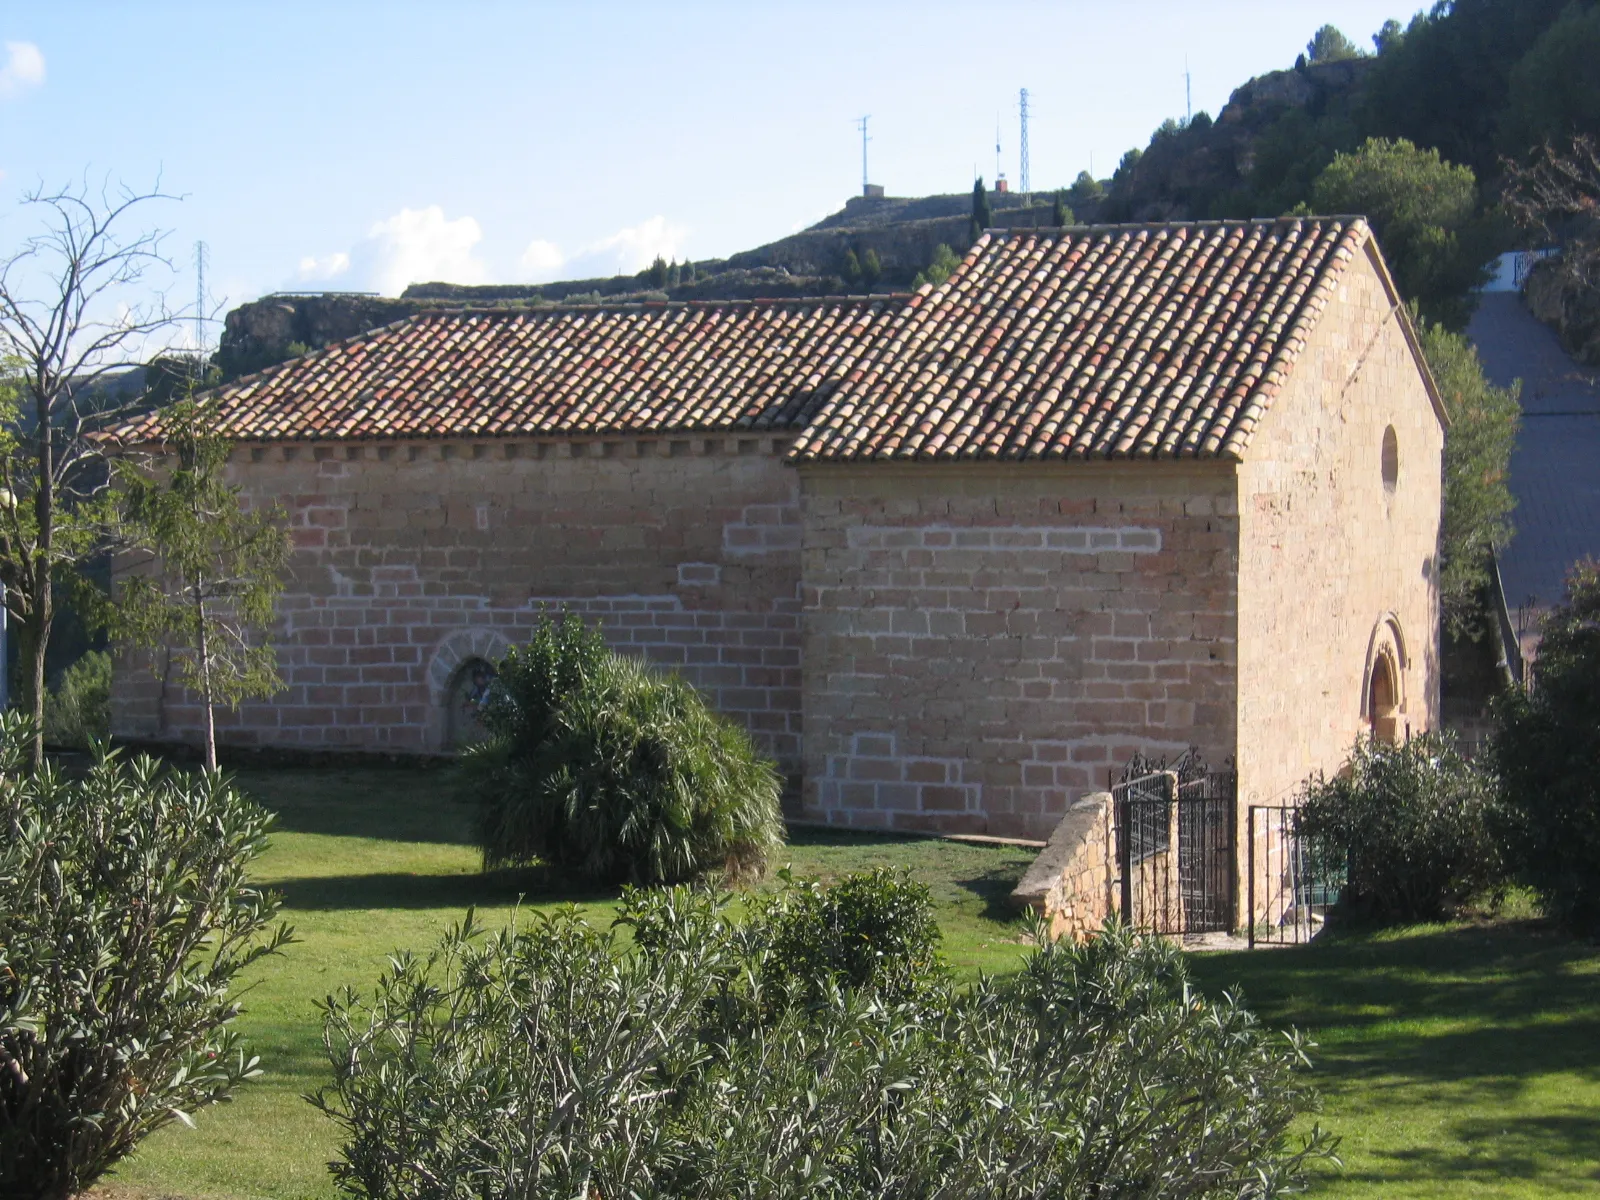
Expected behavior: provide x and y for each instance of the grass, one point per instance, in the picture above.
(1455, 1060)
(373, 860)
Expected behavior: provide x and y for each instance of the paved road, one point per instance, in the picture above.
(1555, 469)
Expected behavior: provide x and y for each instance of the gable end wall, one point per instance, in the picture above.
(1330, 561)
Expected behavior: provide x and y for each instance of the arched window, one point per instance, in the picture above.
(469, 688)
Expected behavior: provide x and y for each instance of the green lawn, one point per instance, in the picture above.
(1455, 1060)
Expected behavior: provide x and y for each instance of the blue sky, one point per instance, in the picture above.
(347, 144)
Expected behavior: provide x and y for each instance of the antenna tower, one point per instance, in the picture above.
(201, 253)
(1188, 95)
(861, 124)
(1022, 148)
(998, 173)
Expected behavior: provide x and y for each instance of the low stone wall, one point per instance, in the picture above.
(1073, 882)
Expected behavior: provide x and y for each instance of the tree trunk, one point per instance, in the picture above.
(203, 645)
(44, 508)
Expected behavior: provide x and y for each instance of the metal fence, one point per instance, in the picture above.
(1176, 845)
(1291, 881)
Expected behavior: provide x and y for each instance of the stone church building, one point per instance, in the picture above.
(949, 556)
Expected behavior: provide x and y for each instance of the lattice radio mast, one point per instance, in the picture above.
(201, 253)
(1022, 148)
(861, 124)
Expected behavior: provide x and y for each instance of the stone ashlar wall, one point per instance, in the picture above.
(984, 643)
(410, 559)
(1074, 882)
(1337, 568)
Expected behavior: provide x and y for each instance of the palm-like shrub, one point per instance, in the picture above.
(561, 1060)
(607, 770)
(1415, 823)
(125, 915)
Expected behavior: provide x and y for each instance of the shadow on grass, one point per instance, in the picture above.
(994, 888)
(1488, 1151)
(367, 802)
(1497, 1004)
(403, 890)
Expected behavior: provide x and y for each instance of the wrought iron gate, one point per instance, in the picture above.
(1176, 842)
(1291, 881)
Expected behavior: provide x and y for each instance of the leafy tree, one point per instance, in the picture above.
(126, 914)
(212, 568)
(1415, 824)
(1389, 36)
(1477, 455)
(78, 712)
(73, 313)
(871, 269)
(1445, 82)
(1547, 749)
(874, 931)
(688, 271)
(981, 217)
(1554, 89)
(1328, 44)
(1085, 189)
(1423, 210)
(943, 265)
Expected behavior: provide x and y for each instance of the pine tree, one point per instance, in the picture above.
(213, 574)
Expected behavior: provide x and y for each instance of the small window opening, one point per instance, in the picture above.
(1391, 459)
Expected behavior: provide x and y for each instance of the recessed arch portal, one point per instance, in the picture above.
(1383, 694)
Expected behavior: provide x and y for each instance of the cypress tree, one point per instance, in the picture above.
(852, 268)
(870, 267)
(1060, 214)
(981, 217)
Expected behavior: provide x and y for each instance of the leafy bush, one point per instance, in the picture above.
(606, 770)
(1414, 823)
(124, 917)
(78, 712)
(873, 931)
(1547, 749)
(559, 1060)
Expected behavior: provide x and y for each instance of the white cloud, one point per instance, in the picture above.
(319, 270)
(416, 245)
(623, 253)
(23, 68)
(542, 257)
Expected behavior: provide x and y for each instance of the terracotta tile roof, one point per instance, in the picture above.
(623, 369)
(1112, 341)
(1109, 341)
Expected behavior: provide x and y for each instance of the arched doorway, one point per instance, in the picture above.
(464, 700)
(1383, 700)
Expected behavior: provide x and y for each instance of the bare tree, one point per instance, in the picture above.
(75, 306)
(1558, 194)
